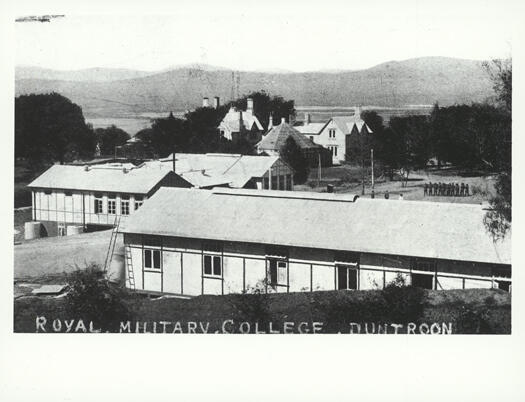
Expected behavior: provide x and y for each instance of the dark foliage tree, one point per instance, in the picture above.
(292, 155)
(166, 135)
(51, 128)
(411, 138)
(110, 137)
(265, 105)
(499, 218)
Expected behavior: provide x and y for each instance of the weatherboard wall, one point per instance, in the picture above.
(245, 268)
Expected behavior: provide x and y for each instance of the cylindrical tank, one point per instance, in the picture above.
(329, 188)
(74, 230)
(117, 269)
(32, 230)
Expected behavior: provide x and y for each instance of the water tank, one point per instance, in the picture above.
(117, 269)
(32, 230)
(74, 230)
(329, 188)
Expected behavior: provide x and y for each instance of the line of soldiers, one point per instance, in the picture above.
(446, 189)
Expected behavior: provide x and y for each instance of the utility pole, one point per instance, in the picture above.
(319, 171)
(372, 164)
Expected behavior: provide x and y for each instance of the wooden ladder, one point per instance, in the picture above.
(129, 267)
(112, 243)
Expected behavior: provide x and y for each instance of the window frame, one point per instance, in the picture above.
(347, 267)
(151, 260)
(112, 202)
(98, 204)
(124, 206)
(213, 251)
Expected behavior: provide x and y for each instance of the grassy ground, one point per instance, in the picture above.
(464, 311)
(347, 179)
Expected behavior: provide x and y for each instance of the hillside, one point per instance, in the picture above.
(395, 83)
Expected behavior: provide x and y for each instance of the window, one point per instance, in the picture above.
(277, 265)
(504, 285)
(124, 204)
(68, 193)
(212, 258)
(266, 183)
(288, 181)
(112, 206)
(212, 265)
(277, 272)
(138, 202)
(152, 259)
(331, 133)
(346, 277)
(98, 204)
(48, 192)
(282, 184)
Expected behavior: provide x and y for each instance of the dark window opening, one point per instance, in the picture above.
(152, 259)
(423, 281)
(504, 285)
(68, 193)
(48, 192)
(277, 251)
(277, 272)
(346, 277)
(212, 265)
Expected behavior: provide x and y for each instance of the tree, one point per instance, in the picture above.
(292, 155)
(51, 128)
(110, 137)
(265, 105)
(499, 218)
(412, 140)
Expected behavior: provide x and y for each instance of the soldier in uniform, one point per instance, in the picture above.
(430, 186)
(462, 190)
(425, 190)
(466, 190)
(387, 195)
(457, 190)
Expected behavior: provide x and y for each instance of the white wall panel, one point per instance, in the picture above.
(299, 277)
(323, 278)
(191, 274)
(233, 274)
(172, 271)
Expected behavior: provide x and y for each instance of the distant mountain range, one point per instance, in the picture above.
(121, 92)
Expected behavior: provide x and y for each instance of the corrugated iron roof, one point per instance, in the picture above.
(410, 228)
(347, 123)
(125, 178)
(278, 135)
(310, 128)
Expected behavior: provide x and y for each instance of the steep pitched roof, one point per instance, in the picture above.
(301, 219)
(310, 128)
(112, 177)
(277, 136)
(231, 120)
(347, 123)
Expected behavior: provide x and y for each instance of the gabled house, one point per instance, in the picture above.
(192, 242)
(94, 195)
(334, 133)
(273, 142)
(239, 124)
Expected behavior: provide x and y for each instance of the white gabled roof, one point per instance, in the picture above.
(310, 128)
(301, 219)
(113, 177)
(231, 120)
(347, 123)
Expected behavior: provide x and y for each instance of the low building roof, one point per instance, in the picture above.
(275, 139)
(214, 169)
(112, 177)
(327, 221)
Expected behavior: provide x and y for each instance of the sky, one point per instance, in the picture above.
(296, 36)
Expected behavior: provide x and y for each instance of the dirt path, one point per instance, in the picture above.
(55, 255)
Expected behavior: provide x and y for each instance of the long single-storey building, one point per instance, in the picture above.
(193, 242)
(94, 195)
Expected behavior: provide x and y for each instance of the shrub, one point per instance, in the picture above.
(92, 298)
(251, 306)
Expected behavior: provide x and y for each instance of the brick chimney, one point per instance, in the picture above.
(249, 107)
(216, 102)
(357, 111)
(205, 102)
(270, 122)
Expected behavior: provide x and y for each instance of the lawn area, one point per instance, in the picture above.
(405, 310)
(347, 179)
